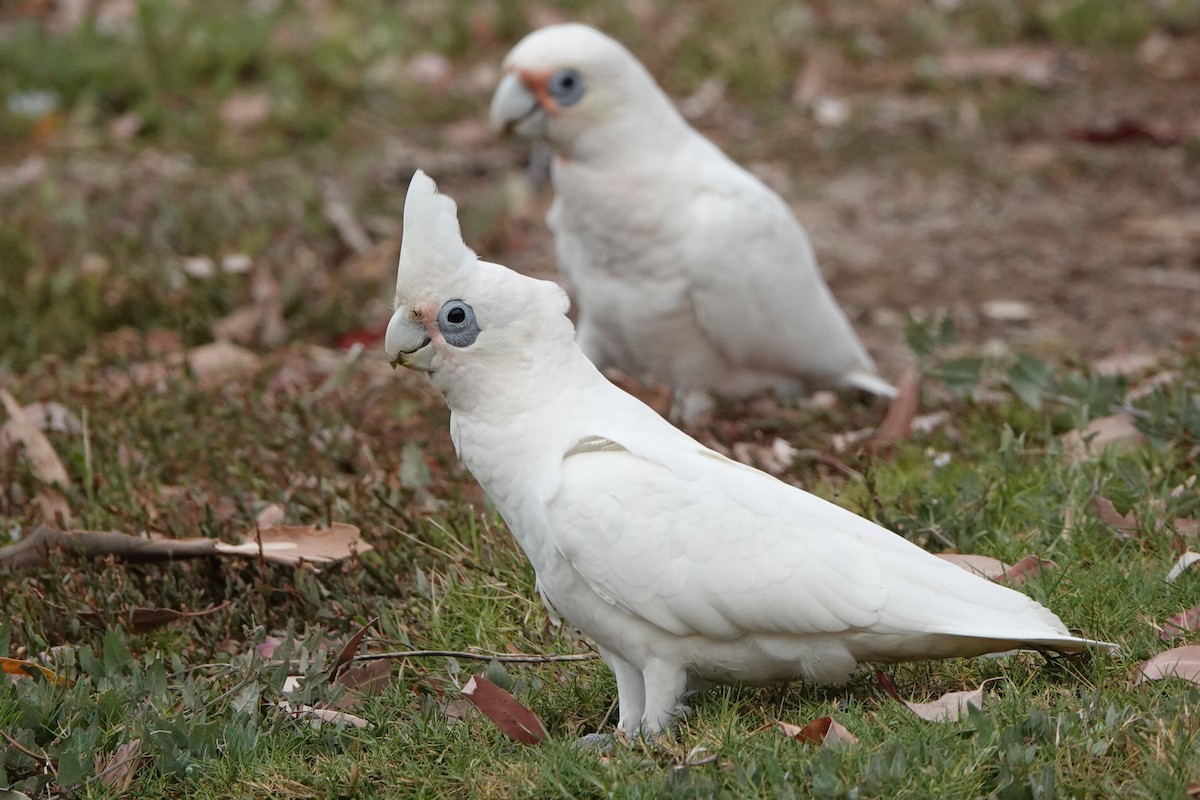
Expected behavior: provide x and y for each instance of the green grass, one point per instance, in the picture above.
(92, 285)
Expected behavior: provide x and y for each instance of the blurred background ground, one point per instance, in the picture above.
(200, 207)
(1031, 167)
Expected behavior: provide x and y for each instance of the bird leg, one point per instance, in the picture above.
(631, 691)
(665, 685)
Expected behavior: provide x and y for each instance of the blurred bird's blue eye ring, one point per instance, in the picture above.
(457, 323)
(566, 87)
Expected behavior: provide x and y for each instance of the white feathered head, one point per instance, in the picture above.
(583, 93)
(455, 312)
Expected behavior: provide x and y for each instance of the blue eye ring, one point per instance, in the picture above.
(457, 324)
(566, 86)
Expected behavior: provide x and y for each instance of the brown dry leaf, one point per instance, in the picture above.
(294, 544)
(1125, 130)
(219, 362)
(430, 69)
(510, 716)
(1099, 435)
(350, 649)
(116, 771)
(1126, 524)
(897, 425)
(1179, 230)
(1193, 789)
(27, 669)
(143, 620)
(267, 647)
(270, 517)
(1186, 527)
(1025, 569)
(1036, 66)
(823, 731)
(456, 710)
(996, 570)
(947, 708)
(1183, 623)
(338, 213)
(1184, 563)
(47, 466)
(43, 416)
(243, 111)
(1128, 365)
(27, 173)
(775, 458)
(1180, 662)
(320, 715)
(367, 679)
(257, 322)
(984, 566)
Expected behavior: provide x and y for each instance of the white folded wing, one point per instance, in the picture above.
(697, 544)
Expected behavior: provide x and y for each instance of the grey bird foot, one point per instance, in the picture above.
(597, 742)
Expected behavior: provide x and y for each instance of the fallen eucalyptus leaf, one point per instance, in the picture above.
(1180, 662)
(511, 717)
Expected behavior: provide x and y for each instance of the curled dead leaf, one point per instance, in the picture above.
(143, 620)
(320, 715)
(350, 649)
(1126, 524)
(898, 423)
(1181, 624)
(365, 679)
(243, 111)
(996, 570)
(270, 517)
(1185, 562)
(984, 566)
(1036, 66)
(1100, 434)
(116, 771)
(28, 669)
(295, 544)
(510, 716)
(219, 362)
(823, 731)
(1180, 662)
(947, 708)
(47, 466)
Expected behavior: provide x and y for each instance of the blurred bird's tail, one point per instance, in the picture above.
(868, 382)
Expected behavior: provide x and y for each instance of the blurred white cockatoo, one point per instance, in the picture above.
(685, 268)
(684, 567)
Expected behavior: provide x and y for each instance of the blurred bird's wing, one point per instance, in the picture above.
(756, 288)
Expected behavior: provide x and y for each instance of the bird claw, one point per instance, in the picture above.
(596, 742)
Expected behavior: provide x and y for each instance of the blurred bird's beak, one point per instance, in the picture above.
(406, 342)
(516, 109)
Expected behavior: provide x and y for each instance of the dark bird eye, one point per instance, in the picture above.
(457, 323)
(566, 87)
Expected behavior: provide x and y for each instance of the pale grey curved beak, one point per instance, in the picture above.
(516, 109)
(406, 342)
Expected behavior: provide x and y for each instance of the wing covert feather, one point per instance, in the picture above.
(690, 558)
(698, 544)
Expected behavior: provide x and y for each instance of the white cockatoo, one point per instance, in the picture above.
(684, 567)
(685, 268)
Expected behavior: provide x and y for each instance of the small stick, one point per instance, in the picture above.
(503, 658)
